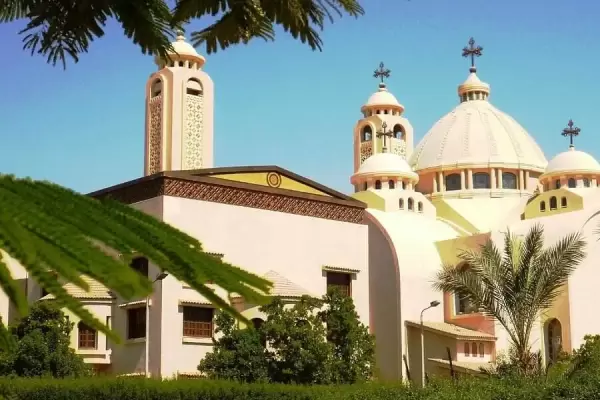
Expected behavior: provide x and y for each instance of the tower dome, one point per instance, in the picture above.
(571, 168)
(384, 167)
(182, 51)
(477, 138)
(382, 101)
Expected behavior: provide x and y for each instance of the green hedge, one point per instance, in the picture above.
(141, 389)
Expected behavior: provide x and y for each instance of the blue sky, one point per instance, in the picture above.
(281, 103)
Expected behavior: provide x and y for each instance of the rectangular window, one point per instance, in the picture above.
(109, 325)
(87, 337)
(140, 264)
(198, 322)
(340, 281)
(136, 323)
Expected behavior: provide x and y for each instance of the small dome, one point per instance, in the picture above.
(386, 164)
(183, 49)
(473, 84)
(477, 133)
(383, 98)
(573, 161)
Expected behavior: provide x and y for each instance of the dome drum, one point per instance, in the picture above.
(384, 167)
(466, 182)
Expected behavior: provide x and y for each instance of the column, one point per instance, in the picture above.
(441, 182)
(493, 177)
(500, 178)
(410, 185)
(526, 183)
(462, 180)
(470, 178)
(521, 180)
(435, 184)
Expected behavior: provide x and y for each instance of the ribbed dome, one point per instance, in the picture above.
(573, 161)
(476, 132)
(383, 98)
(386, 164)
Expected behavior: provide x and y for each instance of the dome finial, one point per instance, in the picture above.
(571, 131)
(180, 35)
(382, 73)
(472, 51)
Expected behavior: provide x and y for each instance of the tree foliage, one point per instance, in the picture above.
(64, 29)
(43, 346)
(516, 283)
(52, 230)
(312, 342)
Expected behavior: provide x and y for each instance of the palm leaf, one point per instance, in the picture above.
(53, 231)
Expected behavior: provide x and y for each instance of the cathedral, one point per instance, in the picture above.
(475, 174)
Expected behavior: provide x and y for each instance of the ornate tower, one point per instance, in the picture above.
(179, 113)
(382, 126)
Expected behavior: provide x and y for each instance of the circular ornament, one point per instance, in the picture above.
(273, 179)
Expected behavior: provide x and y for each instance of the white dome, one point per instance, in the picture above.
(573, 161)
(476, 132)
(382, 98)
(386, 164)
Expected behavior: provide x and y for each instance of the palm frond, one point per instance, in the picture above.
(52, 230)
(514, 285)
(244, 20)
(11, 10)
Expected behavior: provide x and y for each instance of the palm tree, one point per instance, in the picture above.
(55, 232)
(60, 29)
(514, 284)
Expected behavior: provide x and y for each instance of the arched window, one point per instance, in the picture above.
(194, 88)
(563, 202)
(481, 180)
(481, 350)
(257, 322)
(366, 133)
(156, 88)
(391, 184)
(420, 206)
(509, 180)
(554, 339)
(542, 206)
(572, 183)
(411, 204)
(140, 264)
(553, 203)
(401, 204)
(365, 186)
(586, 182)
(467, 349)
(557, 184)
(474, 349)
(87, 337)
(452, 182)
(398, 131)
(377, 184)
(403, 185)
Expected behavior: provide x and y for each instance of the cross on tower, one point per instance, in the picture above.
(571, 131)
(385, 133)
(382, 73)
(472, 51)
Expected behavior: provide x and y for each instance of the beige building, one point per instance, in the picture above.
(474, 174)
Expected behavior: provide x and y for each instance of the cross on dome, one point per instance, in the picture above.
(571, 131)
(382, 73)
(472, 51)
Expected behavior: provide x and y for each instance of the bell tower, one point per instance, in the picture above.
(383, 127)
(179, 113)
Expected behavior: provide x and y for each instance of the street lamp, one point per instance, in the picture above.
(433, 304)
(159, 277)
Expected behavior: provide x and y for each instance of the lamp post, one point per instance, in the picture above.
(159, 277)
(433, 304)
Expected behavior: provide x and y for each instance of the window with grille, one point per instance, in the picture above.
(87, 337)
(136, 323)
(198, 322)
(339, 281)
